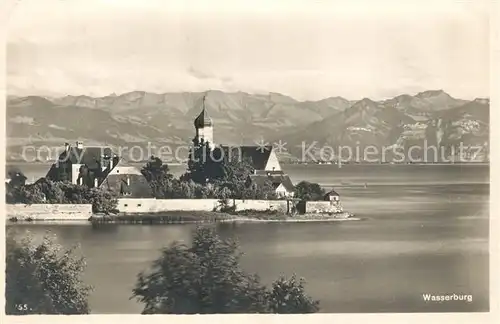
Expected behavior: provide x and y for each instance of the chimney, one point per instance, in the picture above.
(79, 145)
(66, 147)
(103, 162)
(96, 182)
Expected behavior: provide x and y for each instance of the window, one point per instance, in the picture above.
(139, 205)
(126, 205)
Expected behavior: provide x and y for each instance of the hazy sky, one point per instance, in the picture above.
(350, 48)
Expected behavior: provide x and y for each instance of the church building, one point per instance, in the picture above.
(263, 158)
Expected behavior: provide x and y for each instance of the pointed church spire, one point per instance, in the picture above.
(203, 120)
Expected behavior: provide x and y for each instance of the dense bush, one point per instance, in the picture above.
(206, 277)
(309, 191)
(55, 192)
(43, 279)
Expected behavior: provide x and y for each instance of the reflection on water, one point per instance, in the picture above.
(414, 239)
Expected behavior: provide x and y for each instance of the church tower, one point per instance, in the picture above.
(204, 127)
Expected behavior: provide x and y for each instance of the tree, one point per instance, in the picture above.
(308, 191)
(197, 163)
(288, 296)
(213, 166)
(262, 191)
(103, 201)
(155, 169)
(29, 194)
(17, 178)
(42, 279)
(203, 278)
(210, 175)
(206, 277)
(14, 188)
(55, 192)
(52, 191)
(234, 175)
(158, 176)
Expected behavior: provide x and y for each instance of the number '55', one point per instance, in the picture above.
(22, 307)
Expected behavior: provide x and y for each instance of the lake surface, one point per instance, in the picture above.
(425, 231)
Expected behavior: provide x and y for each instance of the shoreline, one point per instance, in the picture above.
(235, 221)
(190, 218)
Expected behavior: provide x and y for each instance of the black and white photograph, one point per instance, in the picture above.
(247, 157)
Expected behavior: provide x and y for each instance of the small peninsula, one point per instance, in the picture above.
(221, 183)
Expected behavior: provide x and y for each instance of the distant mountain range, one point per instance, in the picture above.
(138, 117)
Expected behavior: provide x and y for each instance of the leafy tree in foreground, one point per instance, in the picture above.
(207, 278)
(42, 279)
(288, 296)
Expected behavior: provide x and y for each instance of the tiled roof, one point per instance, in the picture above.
(138, 188)
(90, 155)
(256, 154)
(276, 180)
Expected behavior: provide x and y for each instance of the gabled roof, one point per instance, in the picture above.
(331, 193)
(121, 169)
(90, 155)
(258, 155)
(138, 188)
(276, 180)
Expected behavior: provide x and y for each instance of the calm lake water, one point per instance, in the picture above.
(425, 230)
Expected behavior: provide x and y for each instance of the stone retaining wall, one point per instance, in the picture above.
(151, 205)
(49, 211)
(323, 207)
